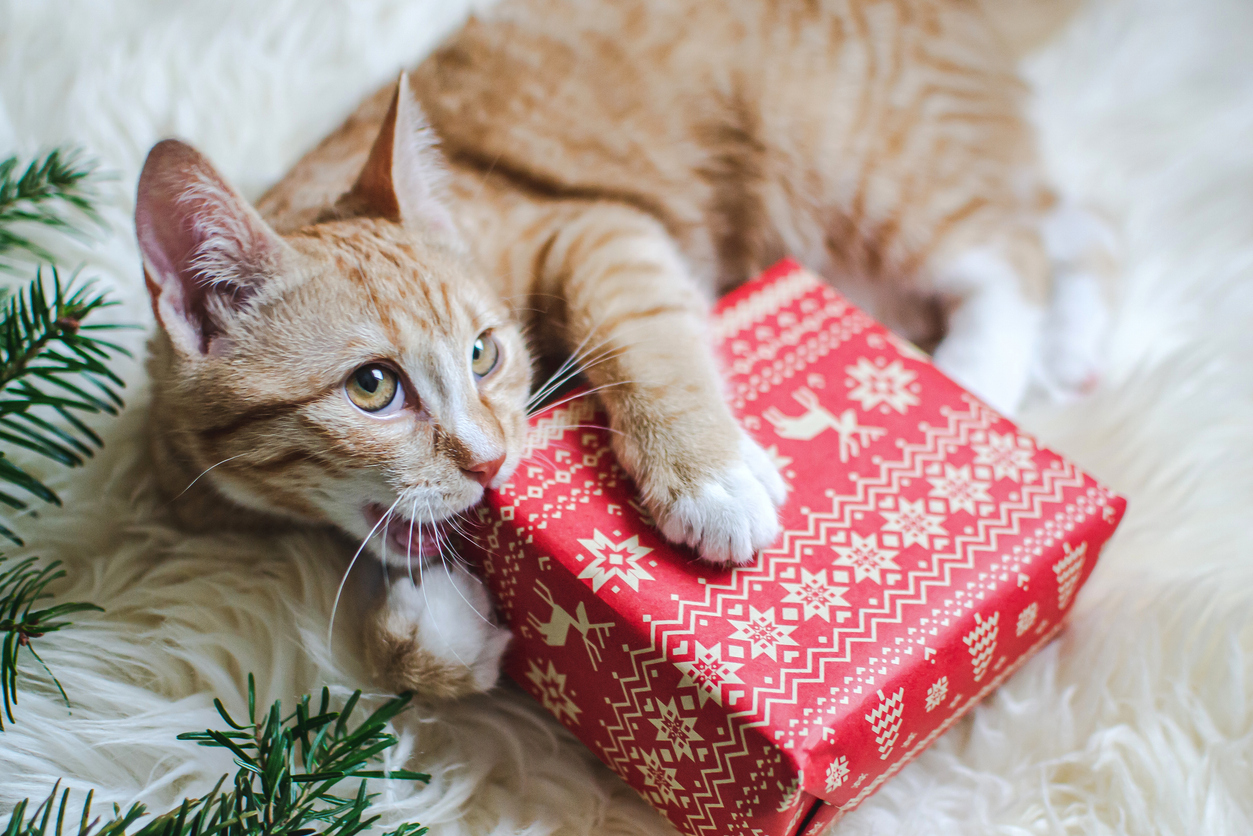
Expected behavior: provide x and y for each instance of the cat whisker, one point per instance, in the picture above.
(592, 427)
(439, 548)
(568, 376)
(413, 514)
(585, 364)
(482, 617)
(578, 395)
(330, 628)
(206, 470)
(574, 360)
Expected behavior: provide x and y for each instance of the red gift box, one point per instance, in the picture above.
(929, 549)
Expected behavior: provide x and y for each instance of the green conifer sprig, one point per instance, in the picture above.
(53, 369)
(53, 191)
(287, 769)
(23, 586)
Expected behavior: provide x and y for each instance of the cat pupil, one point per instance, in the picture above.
(369, 379)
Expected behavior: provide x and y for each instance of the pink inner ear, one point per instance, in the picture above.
(205, 250)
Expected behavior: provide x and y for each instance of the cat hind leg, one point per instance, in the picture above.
(1081, 248)
(993, 331)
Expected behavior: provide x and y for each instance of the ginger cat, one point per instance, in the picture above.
(351, 353)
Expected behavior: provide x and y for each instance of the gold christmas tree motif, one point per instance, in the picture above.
(814, 595)
(708, 673)
(788, 793)
(960, 488)
(1009, 455)
(936, 693)
(885, 721)
(1068, 570)
(981, 642)
(892, 385)
(677, 730)
(914, 522)
(552, 692)
(837, 773)
(761, 632)
(659, 776)
(1026, 618)
(865, 558)
(614, 560)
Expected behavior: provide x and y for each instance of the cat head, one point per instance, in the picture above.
(356, 367)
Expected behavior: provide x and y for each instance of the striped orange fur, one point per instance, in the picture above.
(604, 169)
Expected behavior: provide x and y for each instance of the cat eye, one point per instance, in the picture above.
(484, 355)
(376, 389)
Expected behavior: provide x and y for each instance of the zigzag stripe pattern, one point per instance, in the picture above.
(941, 519)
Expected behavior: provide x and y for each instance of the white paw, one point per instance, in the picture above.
(1082, 248)
(1074, 331)
(449, 617)
(992, 333)
(734, 514)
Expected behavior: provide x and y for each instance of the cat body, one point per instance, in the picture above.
(604, 170)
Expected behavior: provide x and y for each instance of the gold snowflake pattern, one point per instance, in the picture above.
(866, 558)
(962, 490)
(677, 730)
(762, 633)
(552, 692)
(814, 595)
(614, 560)
(892, 386)
(1009, 455)
(914, 522)
(708, 672)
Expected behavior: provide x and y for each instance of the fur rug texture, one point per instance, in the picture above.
(1138, 720)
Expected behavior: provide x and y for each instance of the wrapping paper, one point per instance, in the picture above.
(929, 549)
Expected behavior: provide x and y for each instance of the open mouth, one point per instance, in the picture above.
(402, 536)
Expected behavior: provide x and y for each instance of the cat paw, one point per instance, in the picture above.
(1082, 247)
(436, 639)
(1069, 364)
(732, 514)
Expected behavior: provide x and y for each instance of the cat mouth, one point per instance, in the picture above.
(402, 537)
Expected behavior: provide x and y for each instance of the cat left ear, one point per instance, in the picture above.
(402, 178)
(206, 252)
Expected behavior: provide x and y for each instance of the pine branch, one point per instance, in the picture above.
(53, 370)
(22, 586)
(53, 192)
(288, 767)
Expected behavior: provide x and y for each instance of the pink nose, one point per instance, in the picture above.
(484, 472)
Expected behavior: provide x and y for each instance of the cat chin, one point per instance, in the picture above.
(400, 541)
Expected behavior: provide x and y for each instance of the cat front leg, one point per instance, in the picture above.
(435, 637)
(637, 321)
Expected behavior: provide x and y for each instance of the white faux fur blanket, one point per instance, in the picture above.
(1139, 720)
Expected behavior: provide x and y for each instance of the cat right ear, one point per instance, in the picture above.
(403, 177)
(205, 250)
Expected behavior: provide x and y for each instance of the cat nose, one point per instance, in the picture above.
(485, 471)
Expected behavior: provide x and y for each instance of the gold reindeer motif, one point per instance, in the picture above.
(816, 419)
(556, 630)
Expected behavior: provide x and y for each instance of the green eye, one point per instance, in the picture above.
(374, 388)
(484, 355)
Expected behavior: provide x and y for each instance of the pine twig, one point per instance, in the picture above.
(53, 369)
(22, 586)
(53, 191)
(287, 768)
